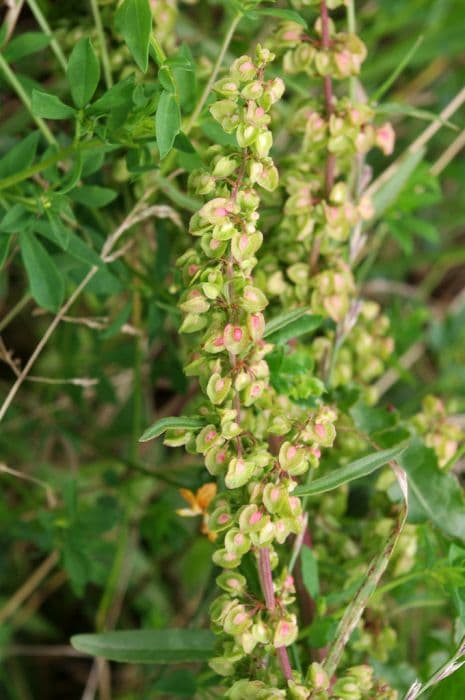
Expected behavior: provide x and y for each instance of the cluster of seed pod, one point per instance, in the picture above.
(223, 314)
(257, 442)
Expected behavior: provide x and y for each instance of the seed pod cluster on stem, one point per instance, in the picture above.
(256, 441)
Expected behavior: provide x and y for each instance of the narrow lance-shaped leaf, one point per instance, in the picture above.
(295, 329)
(289, 15)
(134, 20)
(282, 320)
(168, 646)
(388, 193)
(164, 424)
(354, 470)
(167, 122)
(83, 72)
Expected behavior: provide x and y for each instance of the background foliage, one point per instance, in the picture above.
(89, 531)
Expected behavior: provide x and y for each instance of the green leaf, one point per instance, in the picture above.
(50, 106)
(20, 156)
(83, 72)
(398, 70)
(282, 320)
(167, 122)
(169, 646)
(309, 566)
(406, 110)
(300, 326)
(289, 15)
(354, 470)
(434, 495)
(133, 20)
(24, 45)
(45, 280)
(93, 196)
(164, 424)
(389, 191)
(5, 241)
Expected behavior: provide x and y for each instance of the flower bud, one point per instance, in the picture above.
(262, 144)
(236, 541)
(243, 69)
(232, 582)
(225, 166)
(208, 438)
(246, 135)
(385, 138)
(218, 388)
(236, 338)
(239, 473)
(192, 323)
(244, 246)
(215, 460)
(317, 677)
(285, 632)
(225, 559)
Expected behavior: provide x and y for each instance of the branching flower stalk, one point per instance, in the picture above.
(258, 442)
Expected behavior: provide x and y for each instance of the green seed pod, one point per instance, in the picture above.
(239, 473)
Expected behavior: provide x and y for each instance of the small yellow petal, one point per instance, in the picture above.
(187, 513)
(205, 495)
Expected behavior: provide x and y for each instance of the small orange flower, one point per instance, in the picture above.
(199, 503)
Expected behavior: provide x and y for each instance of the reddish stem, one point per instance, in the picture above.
(328, 91)
(266, 580)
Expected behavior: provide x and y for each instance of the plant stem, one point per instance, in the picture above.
(17, 308)
(24, 97)
(207, 89)
(44, 25)
(32, 170)
(266, 580)
(328, 90)
(103, 44)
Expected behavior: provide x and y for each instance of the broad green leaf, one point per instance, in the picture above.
(389, 191)
(283, 320)
(120, 95)
(167, 122)
(434, 495)
(16, 218)
(169, 646)
(294, 329)
(45, 280)
(93, 196)
(164, 424)
(83, 72)
(20, 156)
(134, 20)
(355, 470)
(289, 15)
(50, 106)
(24, 45)
(309, 566)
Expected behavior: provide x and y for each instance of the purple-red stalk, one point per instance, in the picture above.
(328, 91)
(266, 580)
